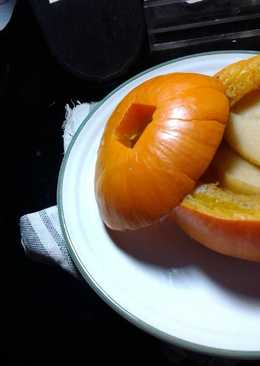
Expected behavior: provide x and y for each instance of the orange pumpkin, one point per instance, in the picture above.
(223, 221)
(157, 143)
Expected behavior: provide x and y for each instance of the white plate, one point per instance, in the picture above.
(158, 278)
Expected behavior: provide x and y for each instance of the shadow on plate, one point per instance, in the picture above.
(164, 245)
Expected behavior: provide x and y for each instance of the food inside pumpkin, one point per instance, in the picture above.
(235, 166)
(223, 212)
(221, 202)
(243, 130)
(235, 173)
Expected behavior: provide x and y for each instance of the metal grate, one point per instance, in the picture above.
(179, 24)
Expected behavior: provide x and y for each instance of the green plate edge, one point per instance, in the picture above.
(87, 276)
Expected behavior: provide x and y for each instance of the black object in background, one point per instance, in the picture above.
(191, 26)
(47, 317)
(95, 40)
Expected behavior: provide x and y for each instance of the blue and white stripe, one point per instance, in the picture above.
(41, 234)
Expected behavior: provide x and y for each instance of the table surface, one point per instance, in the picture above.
(51, 318)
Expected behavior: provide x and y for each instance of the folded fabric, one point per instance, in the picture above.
(41, 234)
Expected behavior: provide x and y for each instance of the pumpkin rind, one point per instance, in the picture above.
(137, 184)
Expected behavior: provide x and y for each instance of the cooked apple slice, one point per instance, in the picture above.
(235, 173)
(243, 129)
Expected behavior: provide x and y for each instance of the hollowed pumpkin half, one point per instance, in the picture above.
(157, 143)
(223, 221)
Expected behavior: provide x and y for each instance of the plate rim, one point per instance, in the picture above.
(161, 335)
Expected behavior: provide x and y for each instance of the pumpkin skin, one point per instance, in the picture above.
(230, 226)
(240, 78)
(157, 143)
(236, 238)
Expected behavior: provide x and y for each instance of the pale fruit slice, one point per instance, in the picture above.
(235, 173)
(243, 129)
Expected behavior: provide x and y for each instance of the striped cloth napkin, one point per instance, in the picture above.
(41, 234)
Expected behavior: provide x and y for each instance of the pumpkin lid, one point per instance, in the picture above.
(157, 143)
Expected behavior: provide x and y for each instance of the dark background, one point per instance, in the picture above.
(47, 317)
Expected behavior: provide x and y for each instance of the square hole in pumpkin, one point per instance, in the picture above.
(134, 122)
